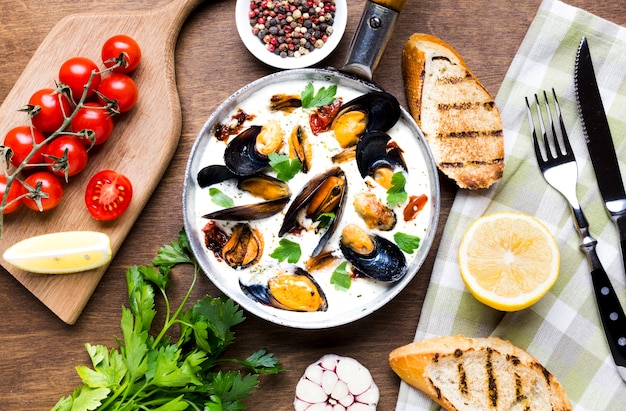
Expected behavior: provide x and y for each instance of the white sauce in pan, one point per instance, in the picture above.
(325, 146)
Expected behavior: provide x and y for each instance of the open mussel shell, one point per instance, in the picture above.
(372, 152)
(381, 109)
(291, 291)
(241, 156)
(385, 261)
(249, 212)
(315, 189)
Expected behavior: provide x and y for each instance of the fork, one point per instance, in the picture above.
(558, 166)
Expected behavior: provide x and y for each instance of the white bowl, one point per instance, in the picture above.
(257, 48)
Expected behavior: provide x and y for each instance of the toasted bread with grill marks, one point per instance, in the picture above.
(457, 115)
(478, 374)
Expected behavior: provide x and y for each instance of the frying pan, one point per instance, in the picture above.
(365, 51)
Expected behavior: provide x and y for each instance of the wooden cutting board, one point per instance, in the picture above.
(141, 147)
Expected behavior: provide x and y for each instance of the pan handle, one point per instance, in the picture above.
(371, 36)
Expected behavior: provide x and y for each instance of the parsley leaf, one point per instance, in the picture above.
(324, 96)
(407, 243)
(396, 194)
(220, 198)
(287, 250)
(325, 219)
(150, 367)
(285, 167)
(341, 278)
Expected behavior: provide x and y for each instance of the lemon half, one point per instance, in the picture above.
(508, 261)
(60, 253)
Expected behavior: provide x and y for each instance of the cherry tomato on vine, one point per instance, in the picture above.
(108, 195)
(51, 190)
(121, 45)
(95, 117)
(66, 156)
(121, 88)
(53, 106)
(75, 73)
(20, 139)
(16, 190)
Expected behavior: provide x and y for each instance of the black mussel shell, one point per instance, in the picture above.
(309, 298)
(249, 212)
(214, 174)
(382, 109)
(372, 153)
(241, 156)
(302, 200)
(385, 263)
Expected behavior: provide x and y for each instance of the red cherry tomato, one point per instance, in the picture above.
(123, 46)
(320, 119)
(52, 109)
(20, 139)
(108, 195)
(51, 191)
(120, 88)
(16, 190)
(95, 117)
(75, 73)
(67, 156)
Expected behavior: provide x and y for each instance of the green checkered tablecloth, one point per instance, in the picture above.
(563, 329)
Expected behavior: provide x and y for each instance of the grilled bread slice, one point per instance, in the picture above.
(457, 115)
(478, 374)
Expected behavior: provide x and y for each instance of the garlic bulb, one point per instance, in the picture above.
(335, 383)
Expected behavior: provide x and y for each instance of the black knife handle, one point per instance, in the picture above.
(612, 315)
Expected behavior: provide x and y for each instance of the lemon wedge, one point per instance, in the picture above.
(508, 261)
(60, 253)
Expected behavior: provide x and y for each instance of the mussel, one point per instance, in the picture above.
(372, 255)
(300, 147)
(275, 191)
(325, 194)
(292, 291)
(248, 152)
(376, 110)
(374, 213)
(377, 158)
(244, 247)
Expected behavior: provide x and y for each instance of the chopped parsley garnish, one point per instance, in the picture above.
(396, 194)
(285, 168)
(287, 250)
(341, 278)
(407, 243)
(220, 198)
(324, 96)
(325, 219)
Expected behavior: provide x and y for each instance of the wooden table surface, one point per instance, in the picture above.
(38, 352)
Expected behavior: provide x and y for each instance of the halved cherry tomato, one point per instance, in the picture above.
(52, 108)
(20, 139)
(51, 191)
(75, 73)
(321, 119)
(16, 190)
(95, 117)
(121, 45)
(67, 156)
(108, 195)
(120, 88)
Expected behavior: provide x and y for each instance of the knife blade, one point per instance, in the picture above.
(599, 141)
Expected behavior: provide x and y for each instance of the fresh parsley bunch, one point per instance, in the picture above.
(158, 372)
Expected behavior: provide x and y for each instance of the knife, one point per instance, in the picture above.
(600, 142)
(606, 167)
